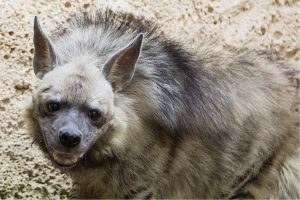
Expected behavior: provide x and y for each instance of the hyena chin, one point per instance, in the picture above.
(132, 114)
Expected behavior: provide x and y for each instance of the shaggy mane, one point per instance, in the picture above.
(117, 22)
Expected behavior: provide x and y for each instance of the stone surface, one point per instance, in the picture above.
(255, 24)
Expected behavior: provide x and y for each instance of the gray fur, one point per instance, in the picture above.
(203, 125)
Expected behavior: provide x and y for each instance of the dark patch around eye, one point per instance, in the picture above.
(100, 121)
(94, 114)
(53, 106)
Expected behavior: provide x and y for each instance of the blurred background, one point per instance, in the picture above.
(253, 24)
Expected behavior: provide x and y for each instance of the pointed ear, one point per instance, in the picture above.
(44, 55)
(119, 69)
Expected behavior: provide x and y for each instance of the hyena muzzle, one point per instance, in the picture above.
(132, 114)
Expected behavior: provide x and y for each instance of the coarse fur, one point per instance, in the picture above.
(203, 125)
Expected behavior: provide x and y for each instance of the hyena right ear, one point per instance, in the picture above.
(44, 55)
(119, 69)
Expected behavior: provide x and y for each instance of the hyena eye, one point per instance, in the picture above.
(53, 106)
(94, 114)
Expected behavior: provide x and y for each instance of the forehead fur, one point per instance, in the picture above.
(78, 81)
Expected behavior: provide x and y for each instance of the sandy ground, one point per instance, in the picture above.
(256, 24)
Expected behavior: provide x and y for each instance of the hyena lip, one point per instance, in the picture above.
(63, 166)
(65, 160)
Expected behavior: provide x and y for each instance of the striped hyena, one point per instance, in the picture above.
(132, 114)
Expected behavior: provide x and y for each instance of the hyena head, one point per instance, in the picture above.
(74, 103)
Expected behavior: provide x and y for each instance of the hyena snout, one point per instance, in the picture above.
(69, 137)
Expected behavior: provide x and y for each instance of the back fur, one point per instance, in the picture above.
(188, 125)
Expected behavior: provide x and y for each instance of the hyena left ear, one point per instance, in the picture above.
(44, 55)
(119, 69)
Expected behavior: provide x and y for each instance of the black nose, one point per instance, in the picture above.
(69, 138)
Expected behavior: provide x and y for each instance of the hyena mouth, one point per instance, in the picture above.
(65, 160)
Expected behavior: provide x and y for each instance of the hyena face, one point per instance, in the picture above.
(74, 103)
(72, 111)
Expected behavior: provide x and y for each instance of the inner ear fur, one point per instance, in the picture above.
(119, 69)
(44, 54)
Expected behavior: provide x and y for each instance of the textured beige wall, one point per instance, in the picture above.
(257, 24)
